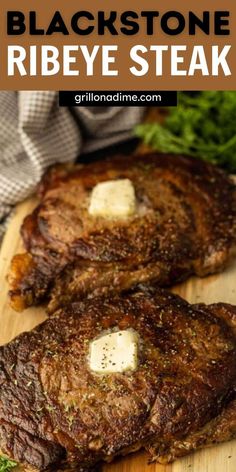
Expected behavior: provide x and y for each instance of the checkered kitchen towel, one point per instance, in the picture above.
(35, 133)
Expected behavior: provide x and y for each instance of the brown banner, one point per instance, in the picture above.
(140, 69)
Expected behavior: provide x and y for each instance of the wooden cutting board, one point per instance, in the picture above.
(222, 287)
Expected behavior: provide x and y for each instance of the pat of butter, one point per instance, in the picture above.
(114, 352)
(113, 199)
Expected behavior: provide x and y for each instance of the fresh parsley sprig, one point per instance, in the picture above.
(202, 125)
(6, 465)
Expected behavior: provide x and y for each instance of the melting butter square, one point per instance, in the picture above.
(113, 199)
(114, 352)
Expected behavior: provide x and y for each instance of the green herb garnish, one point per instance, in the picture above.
(202, 125)
(6, 464)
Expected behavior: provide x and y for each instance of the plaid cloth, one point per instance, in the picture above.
(35, 133)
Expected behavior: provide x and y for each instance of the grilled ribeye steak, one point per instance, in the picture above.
(184, 224)
(55, 413)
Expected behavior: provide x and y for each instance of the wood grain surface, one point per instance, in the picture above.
(222, 287)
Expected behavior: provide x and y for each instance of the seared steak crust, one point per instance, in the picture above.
(184, 224)
(56, 414)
